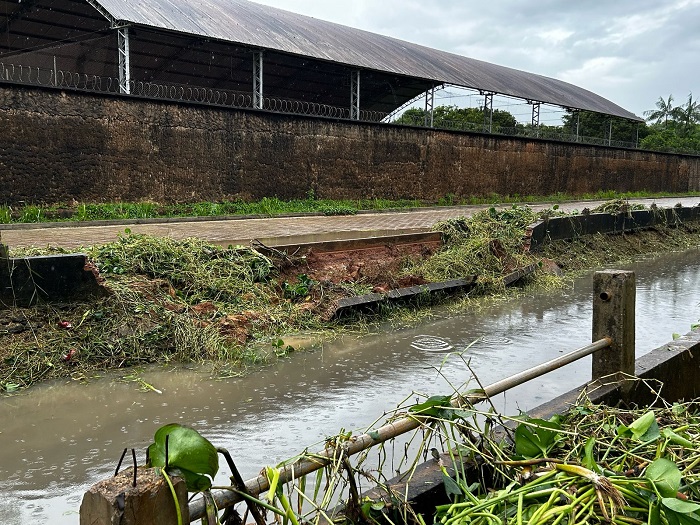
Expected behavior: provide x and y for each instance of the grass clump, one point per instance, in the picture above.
(274, 206)
(166, 300)
(487, 244)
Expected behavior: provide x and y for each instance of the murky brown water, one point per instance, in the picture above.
(58, 439)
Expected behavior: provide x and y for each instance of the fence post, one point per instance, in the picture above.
(613, 316)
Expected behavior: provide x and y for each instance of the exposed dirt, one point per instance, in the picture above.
(380, 267)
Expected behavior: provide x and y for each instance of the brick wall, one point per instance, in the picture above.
(56, 146)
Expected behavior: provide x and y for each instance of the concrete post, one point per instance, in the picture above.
(613, 316)
(115, 501)
(4, 250)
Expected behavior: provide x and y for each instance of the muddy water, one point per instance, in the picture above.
(58, 439)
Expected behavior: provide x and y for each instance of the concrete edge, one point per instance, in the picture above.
(574, 226)
(372, 301)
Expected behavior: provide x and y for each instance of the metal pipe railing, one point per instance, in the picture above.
(356, 444)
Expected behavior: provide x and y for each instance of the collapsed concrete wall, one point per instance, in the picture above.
(57, 146)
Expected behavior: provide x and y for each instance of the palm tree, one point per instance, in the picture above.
(664, 110)
(688, 114)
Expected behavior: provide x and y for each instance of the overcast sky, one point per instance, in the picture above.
(628, 51)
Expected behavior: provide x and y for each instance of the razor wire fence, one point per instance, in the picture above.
(61, 79)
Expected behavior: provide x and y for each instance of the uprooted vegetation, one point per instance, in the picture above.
(593, 464)
(192, 301)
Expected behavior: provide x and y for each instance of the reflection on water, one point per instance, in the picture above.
(60, 438)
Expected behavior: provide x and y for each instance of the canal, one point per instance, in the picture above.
(59, 438)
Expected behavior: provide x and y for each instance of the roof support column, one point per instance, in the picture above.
(429, 107)
(355, 94)
(488, 112)
(124, 65)
(578, 123)
(536, 118)
(258, 102)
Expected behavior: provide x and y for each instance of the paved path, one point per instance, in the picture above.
(277, 230)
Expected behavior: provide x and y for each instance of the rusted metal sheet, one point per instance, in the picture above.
(251, 24)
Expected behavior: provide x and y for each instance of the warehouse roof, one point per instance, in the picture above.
(245, 23)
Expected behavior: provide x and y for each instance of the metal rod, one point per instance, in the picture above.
(536, 371)
(304, 466)
(120, 462)
(240, 485)
(136, 467)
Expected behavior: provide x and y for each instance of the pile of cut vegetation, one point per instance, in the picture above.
(594, 464)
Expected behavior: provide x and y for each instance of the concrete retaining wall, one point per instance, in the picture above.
(60, 145)
(571, 227)
(28, 280)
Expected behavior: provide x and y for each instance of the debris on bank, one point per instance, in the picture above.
(190, 301)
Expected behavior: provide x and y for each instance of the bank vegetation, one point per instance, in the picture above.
(190, 301)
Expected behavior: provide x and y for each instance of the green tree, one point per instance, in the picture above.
(453, 117)
(664, 111)
(599, 125)
(670, 140)
(688, 115)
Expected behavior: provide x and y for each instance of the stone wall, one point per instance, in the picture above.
(56, 146)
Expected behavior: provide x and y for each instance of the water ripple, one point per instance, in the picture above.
(493, 340)
(429, 343)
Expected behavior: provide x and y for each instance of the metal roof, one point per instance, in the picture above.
(251, 24)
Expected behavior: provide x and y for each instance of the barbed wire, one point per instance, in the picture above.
(32, 75)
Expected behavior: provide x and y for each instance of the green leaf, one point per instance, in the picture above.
(188, 452)
(588, 460)
(451, 486)
(644, 428)
(665, 476)
(535, 438)
(432, 407)
(195, 482)
(678, 518)
(676, 439)
(680, 506)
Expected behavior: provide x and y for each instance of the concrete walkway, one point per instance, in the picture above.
(271, 231)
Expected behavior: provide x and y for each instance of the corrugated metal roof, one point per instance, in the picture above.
(248, 23)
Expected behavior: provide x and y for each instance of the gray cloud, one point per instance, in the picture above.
(629, 51)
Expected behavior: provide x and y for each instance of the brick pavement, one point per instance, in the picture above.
(276, 230)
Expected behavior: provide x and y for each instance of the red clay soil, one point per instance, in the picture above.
(377, 266)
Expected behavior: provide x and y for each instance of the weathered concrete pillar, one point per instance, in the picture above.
(115, 501)
(614, 294)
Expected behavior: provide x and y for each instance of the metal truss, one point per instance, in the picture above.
(258, 101)
(124, 66)
(429, 107)
(355, 95)
(488, 112)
